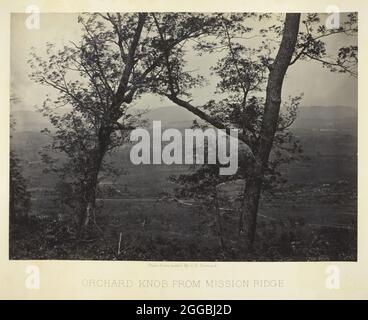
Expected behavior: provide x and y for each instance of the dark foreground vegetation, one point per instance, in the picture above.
(319, 226)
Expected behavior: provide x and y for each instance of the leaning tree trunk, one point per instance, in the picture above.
(89, 189)
(269, 121)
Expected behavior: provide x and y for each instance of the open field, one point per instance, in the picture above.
(165, 230)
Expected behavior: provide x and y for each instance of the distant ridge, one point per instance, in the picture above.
(175, 116)
(331, 112)
(29, 120)
(170, 115)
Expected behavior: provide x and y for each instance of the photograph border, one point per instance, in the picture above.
(43, 279)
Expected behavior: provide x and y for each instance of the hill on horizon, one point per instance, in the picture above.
(178, 117)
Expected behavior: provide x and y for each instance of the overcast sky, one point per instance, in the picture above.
(320, 87)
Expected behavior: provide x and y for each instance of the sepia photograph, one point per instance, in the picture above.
(183, 136)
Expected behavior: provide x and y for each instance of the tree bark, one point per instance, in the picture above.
(88, 200)
(269, 122)
(89, 190)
